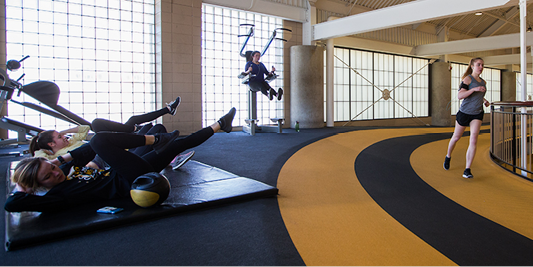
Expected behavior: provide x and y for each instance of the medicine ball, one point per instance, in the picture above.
(150, 189)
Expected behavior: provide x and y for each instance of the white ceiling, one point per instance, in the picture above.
(456, 28)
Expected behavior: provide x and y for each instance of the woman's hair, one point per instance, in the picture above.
(469, 69)
(41, 141)
(248, 55)
(26, 173)
(253, 53)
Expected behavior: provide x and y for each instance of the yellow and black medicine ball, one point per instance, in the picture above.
(150, 189)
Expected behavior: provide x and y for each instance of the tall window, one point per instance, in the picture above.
(371, 85)
(490, 75)
(529, 94)
(222, 63)
(101, 54)
(457, 74)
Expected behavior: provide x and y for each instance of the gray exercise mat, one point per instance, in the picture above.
(195, 185)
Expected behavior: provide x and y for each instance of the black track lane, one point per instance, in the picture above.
(463, 236)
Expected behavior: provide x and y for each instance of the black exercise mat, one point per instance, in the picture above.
(195, 185)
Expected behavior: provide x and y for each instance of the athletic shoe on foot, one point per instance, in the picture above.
(226, 120)
(271, 94)
(467, 174)
(164, 139)
(181, 159)
(137, 128)
(280, 93)
(173, 106)
(446, 164)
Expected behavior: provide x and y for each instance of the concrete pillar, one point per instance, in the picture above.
(508, 84)
(440, 77)
(307, 86)
(330, 76)
(3, 60)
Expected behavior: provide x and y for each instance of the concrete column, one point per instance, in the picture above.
(440, 94)
(307, 86)
(178, 34)
(508, 84)
(330, 73)
(3, 60)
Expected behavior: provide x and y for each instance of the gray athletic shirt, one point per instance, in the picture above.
(473, 104)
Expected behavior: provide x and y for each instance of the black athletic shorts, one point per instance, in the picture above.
(464, 119)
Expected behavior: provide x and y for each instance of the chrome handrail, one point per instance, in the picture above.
(506, 136)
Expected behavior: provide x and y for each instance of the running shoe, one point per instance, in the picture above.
(173, 106)
(181, 159)
(467, 174)
(446, 164)
(164, 139)
(226, 120)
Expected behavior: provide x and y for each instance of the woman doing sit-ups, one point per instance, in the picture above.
(51, 144)
(69, 187)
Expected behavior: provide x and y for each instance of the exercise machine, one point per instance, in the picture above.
(252, 125)
(45, 92)
(7, 89)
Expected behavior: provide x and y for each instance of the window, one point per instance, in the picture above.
(371, 85)
(529, 95)
(101, 54)
(222, 63)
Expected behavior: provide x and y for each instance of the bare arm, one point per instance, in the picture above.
(464, 93)
(67, 157)
(71, 130)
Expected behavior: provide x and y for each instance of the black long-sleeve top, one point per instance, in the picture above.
(82, 185)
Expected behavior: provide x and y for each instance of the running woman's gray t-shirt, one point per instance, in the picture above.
(473, 104)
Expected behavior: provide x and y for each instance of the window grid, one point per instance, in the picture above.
(355, 97)
(100, 53)
(529, 79)
(490, 75)
(222, 63)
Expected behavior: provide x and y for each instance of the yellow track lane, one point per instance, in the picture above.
(330, 217)
(494, 193)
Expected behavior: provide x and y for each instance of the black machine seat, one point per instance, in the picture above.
(47, 93)
(43, 91)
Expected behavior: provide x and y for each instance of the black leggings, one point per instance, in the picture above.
(148, 129)
(100, 125)
(262, 86)
(111, 147)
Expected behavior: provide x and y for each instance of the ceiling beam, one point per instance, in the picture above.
(504, 60)
(283, 11)
(472, 45)
(401, 15)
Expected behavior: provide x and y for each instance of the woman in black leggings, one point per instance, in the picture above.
(77, 185)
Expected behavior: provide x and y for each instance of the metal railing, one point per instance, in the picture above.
(507, 134)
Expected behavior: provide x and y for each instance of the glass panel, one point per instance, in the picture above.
(379, 86)
(222, 63)
(68, 45)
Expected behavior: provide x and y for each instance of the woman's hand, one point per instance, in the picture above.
(55, 162)
(486, 102)
(71, 130)
(479, 89)
(23, 189)
(273, 69)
